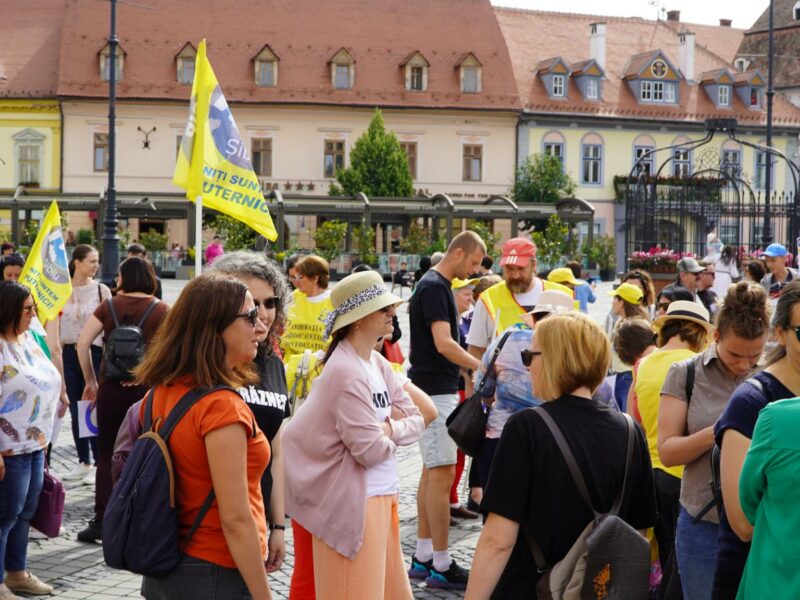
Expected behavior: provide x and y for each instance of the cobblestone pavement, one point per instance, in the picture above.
(77, 570)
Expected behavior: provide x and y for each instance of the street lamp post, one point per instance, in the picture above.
(110, 239)
(767, 231)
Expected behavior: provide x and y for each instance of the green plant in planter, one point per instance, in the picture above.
(416, 240)
(329, 237)
(551, 244)
(602, 252)
(438, 245)
(365, 243)
(85, 236)
(153, 241)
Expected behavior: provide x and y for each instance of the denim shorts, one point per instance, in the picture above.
(438, 449)
(193, 579)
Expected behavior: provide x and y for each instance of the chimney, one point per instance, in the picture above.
(686, 54)
(673, 15)
(725, 22)
(597, 44)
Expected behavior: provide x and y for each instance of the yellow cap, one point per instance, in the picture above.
(457, 283)
(562, 275)
(632, 294)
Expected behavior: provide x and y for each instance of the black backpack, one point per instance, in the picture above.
(125, 346)
(140, 525)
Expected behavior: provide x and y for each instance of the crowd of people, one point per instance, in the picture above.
(306, 398)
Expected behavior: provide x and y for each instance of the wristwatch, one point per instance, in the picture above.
(277, 526)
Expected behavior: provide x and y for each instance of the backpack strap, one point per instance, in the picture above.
(188, 400)
(631, 433)
(690, 368)
(147, 313)
(113, 312)
(490, 367)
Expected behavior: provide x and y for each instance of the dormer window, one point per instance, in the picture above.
(416, 72)
(741, 64)
(754, 97)
(343, 70)
(266, 68)
(105, 63)
(588, 76)
(592, 89)
(185, 63)
(652, 78)
(750, 87)
(558, 86)
(796, 11)
(724, 95)
(470, 73)
(657, 91)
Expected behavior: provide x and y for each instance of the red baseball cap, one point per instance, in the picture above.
(517, 252)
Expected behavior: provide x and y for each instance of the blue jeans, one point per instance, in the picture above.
(622, 384)
(19, 496)
(194, 578)
(696, 551)
(73, 380)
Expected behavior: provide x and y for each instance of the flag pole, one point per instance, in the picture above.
(198, 235)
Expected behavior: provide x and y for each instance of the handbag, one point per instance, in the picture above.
(50, 510)
(467, 423)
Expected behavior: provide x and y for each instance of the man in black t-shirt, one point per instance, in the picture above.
(435, 358)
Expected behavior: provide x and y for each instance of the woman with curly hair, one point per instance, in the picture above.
(267, 398)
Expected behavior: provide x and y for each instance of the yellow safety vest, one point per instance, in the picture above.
(504, 308)
(304, 326)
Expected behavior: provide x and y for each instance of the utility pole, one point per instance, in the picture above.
(110, 260)
(767, 231)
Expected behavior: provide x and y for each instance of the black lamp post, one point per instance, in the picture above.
(766, 234)
(110, 260)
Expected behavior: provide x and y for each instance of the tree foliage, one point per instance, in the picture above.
(364, 238)
(602, 251)
(153, 241)
(541, 178)
(235, 234)
(489, 238)
(378, 165)
(416, 240)
(328, 237)
(551, 244)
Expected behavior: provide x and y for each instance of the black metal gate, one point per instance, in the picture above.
(682, 214)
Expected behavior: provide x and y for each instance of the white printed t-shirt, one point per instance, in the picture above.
(382, 479)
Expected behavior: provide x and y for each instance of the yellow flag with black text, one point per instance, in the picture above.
(213, 161)
(46, 270)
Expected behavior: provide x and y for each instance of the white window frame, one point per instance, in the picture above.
(591, 164)
(474, 172)
(256, 153)
(592, 89)
(266, 73)
(416, 78)
(681, 162)
(334, 154)
(559, 86)
(105, 65)
(648, 163)
(185, 75)
(669, 92)
(662, 92)
(555, 149)
(29, 139)
(103, 168)
(724, 95)
(732, 162)
(470, 79)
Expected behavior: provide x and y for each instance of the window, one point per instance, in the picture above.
(741, 64)
(101, 152)
(473, 157)
(729, 234)
(265, 73)
(417, 82)
(681, 162)
(647, 163)
(342, 70)
(796, 11)
(334, 157)
(186, 70)
(731, 163)
(105, 65)
(558, 86)
(754, 96)
(555, 149)
(28, 163)
(657, 91)
(724, 95)
(761, 171)
(592, 162)
(342, 81)
(469, 80)
(592, 89)
(669, 92)
(410, 148)
(261, 153)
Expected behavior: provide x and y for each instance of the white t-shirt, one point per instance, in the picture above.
(319, 297)
(482, 331)
(382, 479)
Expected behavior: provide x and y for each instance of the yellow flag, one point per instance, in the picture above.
(46, 271)
(213, 161)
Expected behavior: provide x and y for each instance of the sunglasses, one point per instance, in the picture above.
(267, 303)
(386, 309)
(663, 305)
(251, 315)
(527, 356)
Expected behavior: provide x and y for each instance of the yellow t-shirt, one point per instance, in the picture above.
(304, 324)
(648, 381)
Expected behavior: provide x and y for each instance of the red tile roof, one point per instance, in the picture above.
(305, 34)
(531, 37)
(29, 36)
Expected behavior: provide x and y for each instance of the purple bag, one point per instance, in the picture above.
(50, 511)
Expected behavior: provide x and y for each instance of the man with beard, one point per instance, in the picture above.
(502, 305)
(436, 358)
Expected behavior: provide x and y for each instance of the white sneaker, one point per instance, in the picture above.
(7, 594)
(89, 478)
(78, 472)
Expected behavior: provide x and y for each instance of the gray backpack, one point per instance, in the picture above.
(125, 346)
(610, 559)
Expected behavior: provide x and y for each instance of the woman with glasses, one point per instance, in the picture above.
(734, 430)
(210, 338)
(267, 398)
(310, 303)
(669, 295)
(29, 396)
(568, 358)
(694, 395)
(135, 304)
(342, 476)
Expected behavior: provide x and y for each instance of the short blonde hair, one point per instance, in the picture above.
(575, 353)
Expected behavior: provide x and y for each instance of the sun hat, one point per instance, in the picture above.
(689, 265)
(562, 275)
(517, 252)
(550, 302)
(775, 250)
(684, 310)
(457, 283)
(632, 294)
(355, 297)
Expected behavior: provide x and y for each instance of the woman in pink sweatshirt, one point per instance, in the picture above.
(341, 469)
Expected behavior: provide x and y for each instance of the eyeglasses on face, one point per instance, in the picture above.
(267, 303)
(251, 315)
(296, 277)
(527, 356)
(663, 305)
(30, 310)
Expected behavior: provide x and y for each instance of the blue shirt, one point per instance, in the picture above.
(584, 295)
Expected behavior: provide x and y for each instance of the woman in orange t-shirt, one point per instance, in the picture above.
(209, 338)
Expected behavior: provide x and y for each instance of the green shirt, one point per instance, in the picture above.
(769, 490)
